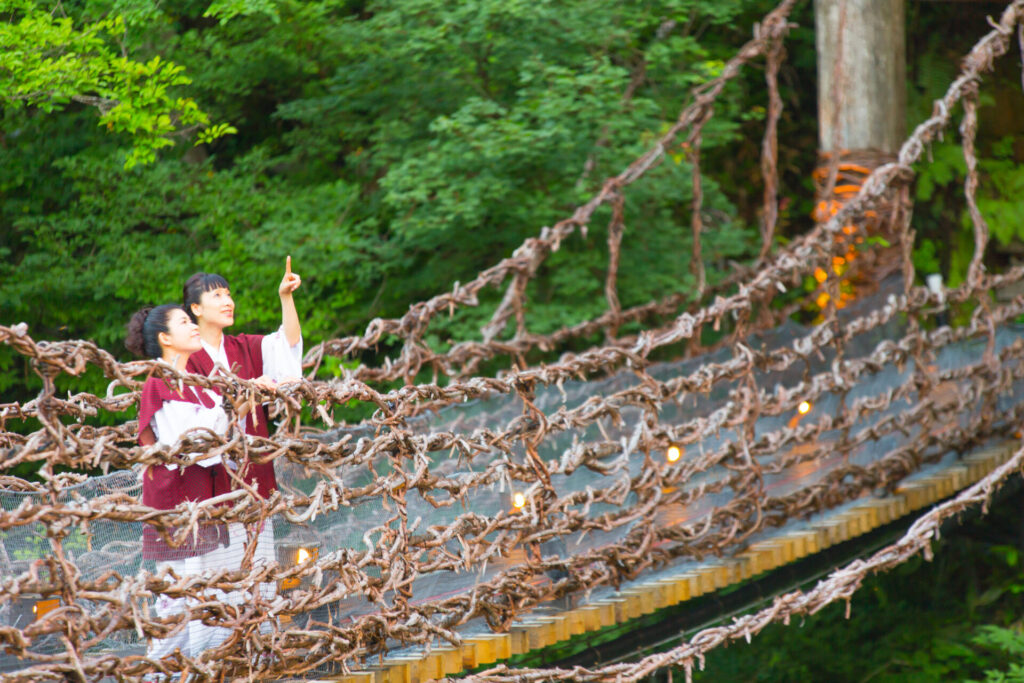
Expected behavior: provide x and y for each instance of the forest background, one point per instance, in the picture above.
(394, 148)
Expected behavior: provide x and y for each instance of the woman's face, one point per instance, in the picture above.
(182, 335)
(215, 307)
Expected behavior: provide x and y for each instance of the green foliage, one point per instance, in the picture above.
(1006, 640)
(225, 10)
(945, 242)
(49, 63)
(482, 121)
(145, 240)
(957, 617)
(392, 148)
(1002, 642)
(36, 545)
(940, 207)
(1001, 205)
(213, 132)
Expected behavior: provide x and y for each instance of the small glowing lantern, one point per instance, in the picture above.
(803, 408)
(518, 501)
(302, 554)
(673, 453)
(43, 606)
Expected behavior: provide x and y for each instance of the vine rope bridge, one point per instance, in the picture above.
(465, 502)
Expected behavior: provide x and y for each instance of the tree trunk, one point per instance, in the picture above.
(861, 47)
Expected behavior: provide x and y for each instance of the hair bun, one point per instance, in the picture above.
(134, 340)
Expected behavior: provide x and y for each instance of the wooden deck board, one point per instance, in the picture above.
(647, 595)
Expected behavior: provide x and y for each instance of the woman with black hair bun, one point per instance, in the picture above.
(168, 410)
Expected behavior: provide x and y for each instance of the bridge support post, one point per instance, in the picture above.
(861, 48)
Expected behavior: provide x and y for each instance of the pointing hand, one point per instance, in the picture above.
(291, 281)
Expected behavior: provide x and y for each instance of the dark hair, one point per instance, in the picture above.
(196, 285)
(144, 327)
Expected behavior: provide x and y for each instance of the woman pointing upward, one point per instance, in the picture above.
(274, 357)
(270, 358)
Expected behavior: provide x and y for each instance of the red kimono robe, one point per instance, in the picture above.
(164, 488)
(245, 356)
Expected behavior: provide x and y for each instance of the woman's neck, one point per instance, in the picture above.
(211, 334)
(177, 359)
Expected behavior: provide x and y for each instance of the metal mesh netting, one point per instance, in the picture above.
(103, 547)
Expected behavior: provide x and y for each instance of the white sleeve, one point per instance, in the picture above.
(177, 417)
(281, 361)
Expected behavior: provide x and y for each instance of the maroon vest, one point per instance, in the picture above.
(245, 355)
(164, 489)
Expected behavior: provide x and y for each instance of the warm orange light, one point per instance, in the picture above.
(673, 453)
(822, 300)
(863, 170)
(824, 209)
(803, 408)
(43, 606)
(838, 261)
(301, 555)
(518, 501)
(820, 275)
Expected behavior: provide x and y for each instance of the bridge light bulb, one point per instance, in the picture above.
(803, 408)
(673, 453)
(518, 501)
(302, 556)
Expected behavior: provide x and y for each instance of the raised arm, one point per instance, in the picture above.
(289, 317)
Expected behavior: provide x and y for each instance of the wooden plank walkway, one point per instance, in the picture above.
(672, 586)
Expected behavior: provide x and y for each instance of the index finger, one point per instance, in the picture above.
(288, 265)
